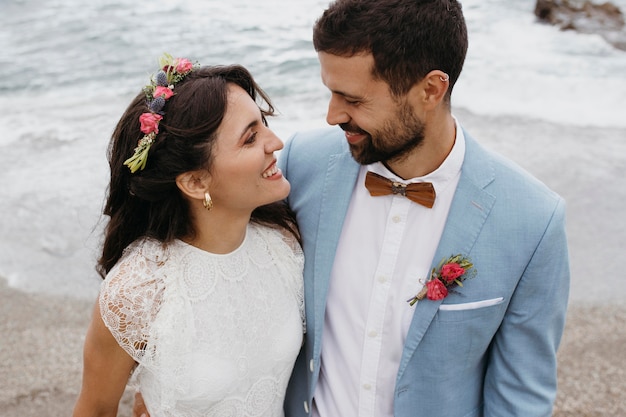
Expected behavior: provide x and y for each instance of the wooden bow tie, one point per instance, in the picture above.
(421, 192)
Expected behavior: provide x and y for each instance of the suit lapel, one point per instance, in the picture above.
(341, 175)
(469, 210)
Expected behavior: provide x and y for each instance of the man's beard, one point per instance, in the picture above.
(394, 141)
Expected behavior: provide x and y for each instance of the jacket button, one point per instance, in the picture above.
(306, 407)
(311, 365)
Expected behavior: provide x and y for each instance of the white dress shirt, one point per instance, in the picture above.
(384, 255)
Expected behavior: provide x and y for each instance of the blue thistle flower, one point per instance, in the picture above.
(157, 104)
(161, 78)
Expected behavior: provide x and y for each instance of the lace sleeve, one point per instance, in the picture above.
(131, 295)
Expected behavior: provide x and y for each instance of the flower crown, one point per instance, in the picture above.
(160, 89)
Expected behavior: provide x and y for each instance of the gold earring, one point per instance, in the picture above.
(444, 79)
(208, 202)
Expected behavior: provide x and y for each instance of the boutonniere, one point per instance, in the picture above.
(449, 273)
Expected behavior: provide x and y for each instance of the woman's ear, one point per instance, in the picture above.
(193, 184)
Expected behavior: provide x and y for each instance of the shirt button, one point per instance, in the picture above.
(367, 387)
(396, 219)
(372, 333)
(312, 365)
(382, 279)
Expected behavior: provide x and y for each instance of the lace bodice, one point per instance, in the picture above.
(213, 335)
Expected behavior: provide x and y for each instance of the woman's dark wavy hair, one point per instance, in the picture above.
(407, 38)
(148, 203)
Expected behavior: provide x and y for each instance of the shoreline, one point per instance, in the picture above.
(54, 250)
(42, 337)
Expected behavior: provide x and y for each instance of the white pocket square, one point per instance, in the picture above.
(473, 305)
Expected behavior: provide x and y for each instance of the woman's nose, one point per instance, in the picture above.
(273, 143)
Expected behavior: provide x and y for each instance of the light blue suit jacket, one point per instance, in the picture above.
(492, 361)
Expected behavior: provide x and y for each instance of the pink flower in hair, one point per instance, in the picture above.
(150, 122)
(164, 92)
(183, 65)
(173, 70)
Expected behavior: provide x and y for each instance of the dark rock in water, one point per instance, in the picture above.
(604, 19)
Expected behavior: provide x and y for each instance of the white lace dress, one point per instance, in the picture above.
(213, 335)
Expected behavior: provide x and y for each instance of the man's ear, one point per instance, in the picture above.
(193, 184)
(435, 85)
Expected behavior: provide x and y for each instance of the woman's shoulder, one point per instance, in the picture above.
(280, 237)
(132, 293)
(138, 274)
(150, 249)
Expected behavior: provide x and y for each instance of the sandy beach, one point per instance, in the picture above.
(41, 336)
(41, 353)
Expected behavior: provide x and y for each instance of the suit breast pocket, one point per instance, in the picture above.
(472, 308)
(474, 315)
(462, 333)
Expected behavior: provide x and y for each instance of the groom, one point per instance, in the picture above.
(488, 347)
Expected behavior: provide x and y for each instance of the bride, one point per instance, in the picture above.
(202, 301)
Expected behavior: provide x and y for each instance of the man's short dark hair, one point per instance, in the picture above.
(407, 38)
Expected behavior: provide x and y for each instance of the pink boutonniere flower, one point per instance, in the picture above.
(450, 272)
